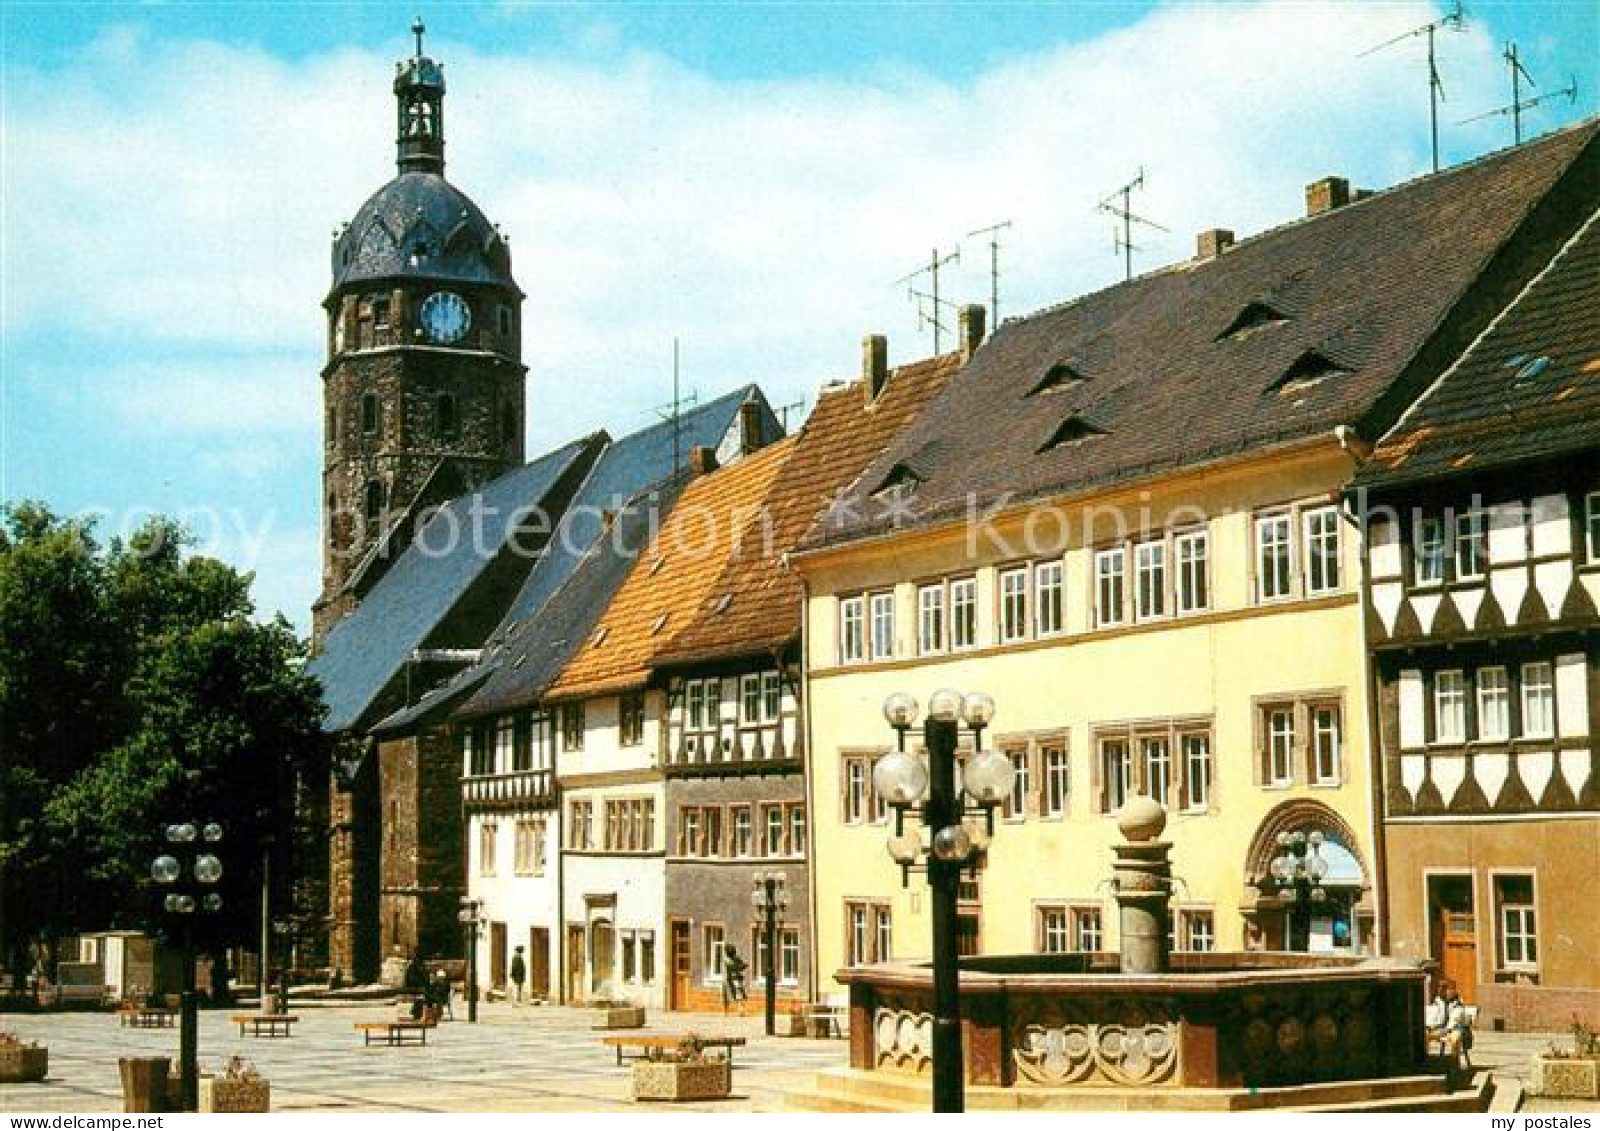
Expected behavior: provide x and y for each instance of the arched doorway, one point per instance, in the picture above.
(1328, 913)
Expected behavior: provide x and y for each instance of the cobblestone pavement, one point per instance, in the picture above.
(531, 1058)
(544, 1058)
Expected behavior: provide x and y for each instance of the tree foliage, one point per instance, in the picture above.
(135, 690)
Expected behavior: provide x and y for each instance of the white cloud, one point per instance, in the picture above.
(180, 195)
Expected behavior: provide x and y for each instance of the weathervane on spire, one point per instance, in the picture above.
(417, 28)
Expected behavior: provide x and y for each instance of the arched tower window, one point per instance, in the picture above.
(374, 500)
(333, 424)
(369, 414)
(447, 417)
(333, 520)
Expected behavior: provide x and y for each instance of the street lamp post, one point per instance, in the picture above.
(471, 915)
(954, 843)
(770, 900)
(187, 872)
(281, 928)
(1298, 870)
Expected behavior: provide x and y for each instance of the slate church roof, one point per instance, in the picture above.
(1528, 389)
(1339, 318)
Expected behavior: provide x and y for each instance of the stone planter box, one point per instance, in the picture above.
(23, 1064)
(678, 1080)
(221, 1094)
(791, 1025)
(620, 1017)
(1566, 1078)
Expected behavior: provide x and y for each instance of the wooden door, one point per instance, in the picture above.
(1458, 955)
(602, 958)
(539, 962)
(682, 964)
(497, 955)
(575, 964)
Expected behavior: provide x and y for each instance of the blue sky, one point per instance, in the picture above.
(751, 179)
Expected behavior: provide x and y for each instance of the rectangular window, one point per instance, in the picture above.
(1055, 781)
(630, 956)
(856, 775)
(1087, 936)
(772, 830)
(930, 619)
(797, 830)
(1110, 569)
(522, 852)
(713, 700)
(1538, 701)
(852, 630)
(647, 957)
(1449, 707)
(1014, 605)
(1199, 931)
(1016, 804)
(1150, 580)
(1116, 774)
(1196, 771)
(883, 933)
(488, 837)
(695, 704)
(1519, 936)
(647, 825)
(1194, 583)
(630, 719)
(1592, 505)
(1472, 545)
(1322, 550)
(540, 832)
(743, 830)
(505, 738)
(860, 937)
(580, 826)
(522, 746)
(1274, 557)
(1280, 746)
(789, 956)
(964, 612)
(572, 726)
(689, 832)
(1156, 755)
(711, 837)
(882, 626)
(1494, 704)
(1325, 744)
(771, 697)
(1429, 568)
(1054, 933)
(480, 755)
(715, 942)
(750, 699)
(1050, 612)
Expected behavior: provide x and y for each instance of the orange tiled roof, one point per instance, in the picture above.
(755, 604)
(667, 585)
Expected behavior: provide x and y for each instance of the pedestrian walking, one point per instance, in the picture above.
(519, 975)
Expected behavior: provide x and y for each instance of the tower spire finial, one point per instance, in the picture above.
(417, 28)
(419, 89)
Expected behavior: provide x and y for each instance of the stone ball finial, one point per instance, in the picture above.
(1141, 818)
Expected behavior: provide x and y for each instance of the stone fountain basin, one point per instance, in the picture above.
(1218, 1020)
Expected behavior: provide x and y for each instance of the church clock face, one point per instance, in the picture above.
(445, 317)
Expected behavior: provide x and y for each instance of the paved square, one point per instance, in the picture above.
(530, 1058)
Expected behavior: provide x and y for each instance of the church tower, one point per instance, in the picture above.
(423, 390)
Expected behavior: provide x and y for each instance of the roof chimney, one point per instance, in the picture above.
(702, 460)
(749, 427)
(970, 328)
(1326, 195)
(1212, 242)
(874, 365)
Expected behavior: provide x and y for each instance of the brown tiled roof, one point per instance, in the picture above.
(668, 583)
(755, 605)
(1346, 317)
(1529, 388)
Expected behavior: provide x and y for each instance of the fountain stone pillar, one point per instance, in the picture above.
(1142, 883)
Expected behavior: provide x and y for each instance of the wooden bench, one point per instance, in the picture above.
(394, 1032)
(658, 1047)
(146, 1017)
(265, 1024)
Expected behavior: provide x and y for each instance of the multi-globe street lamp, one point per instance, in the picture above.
(770, 901)
(945, 796)
(187, 874)
(471, 917)
(1298, 870)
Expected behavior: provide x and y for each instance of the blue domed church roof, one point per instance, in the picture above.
(420, 225)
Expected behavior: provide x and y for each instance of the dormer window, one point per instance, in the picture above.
(1255, 316)
(900, 481)
(1309, 369)
(1073, 430)
(1061, 375)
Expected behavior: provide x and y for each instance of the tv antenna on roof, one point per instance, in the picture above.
(1123, 241)
(673, 411)
(1452, 19)
(929, 302)
(993, 232)
(1518, 103)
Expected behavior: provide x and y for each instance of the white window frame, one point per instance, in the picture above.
(750, 699)
(1494, 703)
(1191, 560)
(488, 849)
(1155, 759)
(1591, 506)
(1280, 745)
(1150, 580)
(1055, 790)
(716, 951)
(857, 792)
(1449, 706)
(1054, 929)
(1049, 597)
(930, 619)
(1088, 929)
(771, 697)
(1114, 794)
(1196, 770)
(743, 831)
(1015, 805)
(788, 956)
(853, 629)
(963, 626)
(1192, 919)
(882, 932)
(1110, 586)
(1538, 695)
(1327, 743)
(1012, 583)
(1471, 546)
(1323, 547)
(1274, 556)
(1429, 552)
(881, 637)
